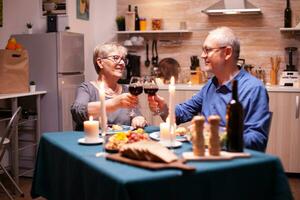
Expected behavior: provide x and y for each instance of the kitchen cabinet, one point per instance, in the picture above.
(284, 136)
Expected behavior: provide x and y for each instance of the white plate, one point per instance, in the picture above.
(155, 136)
(125, 129)
(94, 141)
(168, 144)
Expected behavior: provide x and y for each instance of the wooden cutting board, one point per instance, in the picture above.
(150, 165)
(224, 155)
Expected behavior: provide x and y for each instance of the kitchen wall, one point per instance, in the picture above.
(99, 29)
(259, 34)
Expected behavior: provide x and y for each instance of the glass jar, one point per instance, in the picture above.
(143, 24)
(156, 24)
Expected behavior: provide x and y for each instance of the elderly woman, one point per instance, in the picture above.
(109, 61)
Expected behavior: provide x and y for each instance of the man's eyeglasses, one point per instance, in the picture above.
(116, 59)
(207, 50)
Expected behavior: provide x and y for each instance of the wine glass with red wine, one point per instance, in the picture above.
(135, 88)
(151, 88)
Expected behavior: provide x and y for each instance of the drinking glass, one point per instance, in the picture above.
(135, 88)
(151, 88)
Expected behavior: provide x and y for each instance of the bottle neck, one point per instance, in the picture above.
(235, 90)
(288, 3)
(136, 11)
(129, 8)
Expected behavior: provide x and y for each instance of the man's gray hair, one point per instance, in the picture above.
(102, 51)
(225, 36)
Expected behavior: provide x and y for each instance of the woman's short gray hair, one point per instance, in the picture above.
(103, 50)
(225, 36)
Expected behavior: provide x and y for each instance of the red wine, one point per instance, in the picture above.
(135, 90)
(288, 15)
(235, 122)
(150, 90)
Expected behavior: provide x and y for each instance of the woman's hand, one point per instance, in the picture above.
(156, 102)
(138, 122)
(124, 100)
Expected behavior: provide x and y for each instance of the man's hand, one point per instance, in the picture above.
(156, 103)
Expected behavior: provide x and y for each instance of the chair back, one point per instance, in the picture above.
(269, 128)
(9, 130)
(270, 122)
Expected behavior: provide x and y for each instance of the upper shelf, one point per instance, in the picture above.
(154, 31)
(294, 29)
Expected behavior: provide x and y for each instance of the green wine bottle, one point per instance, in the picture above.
(235, 122)
(288, 15)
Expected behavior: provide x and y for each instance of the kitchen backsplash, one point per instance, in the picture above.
(259, 34)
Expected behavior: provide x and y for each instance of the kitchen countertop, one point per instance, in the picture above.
(15, 95)
(189, 87)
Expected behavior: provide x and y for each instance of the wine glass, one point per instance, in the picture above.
(151, 88)
(135, 88)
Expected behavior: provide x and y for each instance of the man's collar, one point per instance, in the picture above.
(227, 86)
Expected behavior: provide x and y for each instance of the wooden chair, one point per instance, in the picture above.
(269, 127)
(4, 144)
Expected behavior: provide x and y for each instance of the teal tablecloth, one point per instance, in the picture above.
(67, 170)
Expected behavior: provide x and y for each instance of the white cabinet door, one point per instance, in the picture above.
(284, 138)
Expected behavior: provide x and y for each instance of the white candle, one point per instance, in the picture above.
(102, 109)
(172, 108)
(164, 132)
(91, 128)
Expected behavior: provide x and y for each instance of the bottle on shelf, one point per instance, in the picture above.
(287, 15)
(137, 19)
(235, 122)
(129, 8)
(129, 20)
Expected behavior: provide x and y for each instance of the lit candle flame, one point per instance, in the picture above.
(172, 81)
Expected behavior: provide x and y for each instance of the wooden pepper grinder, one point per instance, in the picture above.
(197, 136)
(214, 140)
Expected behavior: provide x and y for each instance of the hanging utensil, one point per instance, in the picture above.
(147, 61)
(153, 56)
(156, 53)
(154, 59)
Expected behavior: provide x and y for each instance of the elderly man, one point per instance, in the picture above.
(220, 52)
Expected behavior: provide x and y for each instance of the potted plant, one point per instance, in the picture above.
(32, 86)
(29, 27)
(120, 20)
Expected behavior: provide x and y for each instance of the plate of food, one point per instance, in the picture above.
(116, 141)
(155, 136)
(115, 128)
(181, 134)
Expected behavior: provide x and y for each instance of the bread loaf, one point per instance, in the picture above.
(149, 151)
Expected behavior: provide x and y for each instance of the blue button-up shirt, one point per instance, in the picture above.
(212, 99)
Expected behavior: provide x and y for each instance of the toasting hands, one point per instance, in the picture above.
(124, 100)
(156, 103)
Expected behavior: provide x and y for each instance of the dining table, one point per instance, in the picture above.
(68, 170)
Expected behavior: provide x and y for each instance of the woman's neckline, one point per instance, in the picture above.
(108, 91)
